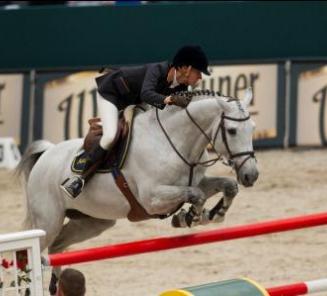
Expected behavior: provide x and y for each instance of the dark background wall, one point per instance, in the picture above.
(72, 37)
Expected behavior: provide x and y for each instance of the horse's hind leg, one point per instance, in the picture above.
(47, 215)
(79, 230)
(73, 232)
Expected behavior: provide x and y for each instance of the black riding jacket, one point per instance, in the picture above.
(133, 85)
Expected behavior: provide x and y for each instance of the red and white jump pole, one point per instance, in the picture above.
(248, 287)
(173, 242)
(303, 288)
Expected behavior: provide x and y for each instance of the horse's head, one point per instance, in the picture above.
(233, 138)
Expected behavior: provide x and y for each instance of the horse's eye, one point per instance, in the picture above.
(232, 131)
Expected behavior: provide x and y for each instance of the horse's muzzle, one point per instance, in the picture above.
(249, 178)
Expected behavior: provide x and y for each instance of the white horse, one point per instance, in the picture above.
(158, 170)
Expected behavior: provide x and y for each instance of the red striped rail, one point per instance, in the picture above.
(302, 288)
(173, 242)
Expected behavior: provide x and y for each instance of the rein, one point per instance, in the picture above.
(210, 162)
(191, 165)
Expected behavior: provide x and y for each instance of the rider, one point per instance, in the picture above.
(151, 83)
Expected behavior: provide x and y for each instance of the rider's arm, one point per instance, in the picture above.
(149, 95)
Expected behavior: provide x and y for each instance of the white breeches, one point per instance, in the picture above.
(108, 113)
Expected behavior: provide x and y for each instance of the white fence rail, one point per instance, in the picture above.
(20, 263)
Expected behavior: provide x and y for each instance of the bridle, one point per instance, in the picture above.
(232, 156)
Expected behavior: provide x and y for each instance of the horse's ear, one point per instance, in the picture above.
(248, 96)
(225, 106)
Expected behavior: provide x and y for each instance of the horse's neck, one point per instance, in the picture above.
(186, 136)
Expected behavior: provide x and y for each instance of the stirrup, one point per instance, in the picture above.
(73, 186)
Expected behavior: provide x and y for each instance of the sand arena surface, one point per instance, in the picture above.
(291, 183)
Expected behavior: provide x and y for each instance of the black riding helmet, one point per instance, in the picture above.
(191, 55)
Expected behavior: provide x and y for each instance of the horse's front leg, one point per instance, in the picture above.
(212, 185)
(197, 215)
(165, 197)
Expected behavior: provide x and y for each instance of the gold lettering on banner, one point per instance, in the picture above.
(65, 106)
(230, 87)
(265, 134)
(76, 96)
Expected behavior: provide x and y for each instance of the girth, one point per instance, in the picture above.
(137, 212)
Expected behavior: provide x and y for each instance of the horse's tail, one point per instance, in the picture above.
(25, 166)
(30, 157)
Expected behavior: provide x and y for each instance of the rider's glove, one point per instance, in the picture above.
(181, 101)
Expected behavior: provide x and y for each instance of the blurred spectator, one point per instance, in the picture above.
(71, 283)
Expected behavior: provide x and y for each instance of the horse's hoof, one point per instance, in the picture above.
(175, 222)
(219, 218)
(189, 218)
(178, 220)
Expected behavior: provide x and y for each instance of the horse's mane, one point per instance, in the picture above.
(204, 94)
(201, 94)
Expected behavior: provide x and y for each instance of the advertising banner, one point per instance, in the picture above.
(11, 96)
(234, 80)
(68, 103)
(311, 127)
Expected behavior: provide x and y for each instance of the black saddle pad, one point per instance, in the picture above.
(80, 160)
(114, 159)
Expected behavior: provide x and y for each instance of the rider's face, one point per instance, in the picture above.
(189, 76)
(194, 77)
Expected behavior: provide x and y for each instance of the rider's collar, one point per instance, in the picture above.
(175, 82)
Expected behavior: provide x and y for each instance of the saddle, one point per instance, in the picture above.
(116, 157)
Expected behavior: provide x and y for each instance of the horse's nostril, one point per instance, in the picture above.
(246, 178)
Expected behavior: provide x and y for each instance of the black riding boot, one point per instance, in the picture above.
(73, 186)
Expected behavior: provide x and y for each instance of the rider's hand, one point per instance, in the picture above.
(181, 101)
(95, 126)
(168, 101)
